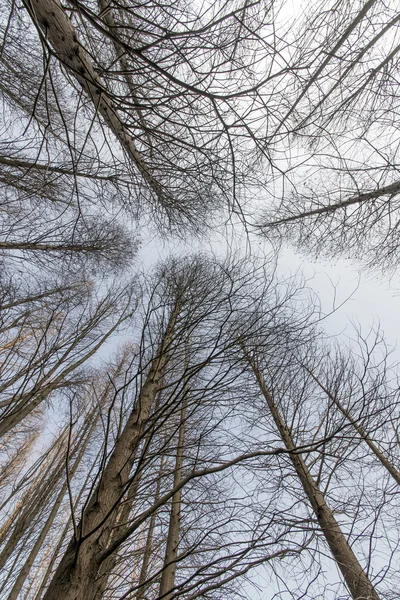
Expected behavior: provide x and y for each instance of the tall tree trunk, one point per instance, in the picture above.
(10, 571)
(122, 517)
(171, 552)
(108, 18)
(389, 190)
(142, 583)
(31, 584)
(355, 577)
(52, 247)
(12, 161)
(37, 471)
(76, 573)
(99, 586)
(34, 501)
(39, 497)
(11, 468)
(64, 532)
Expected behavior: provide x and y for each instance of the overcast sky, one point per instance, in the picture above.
(360, 296)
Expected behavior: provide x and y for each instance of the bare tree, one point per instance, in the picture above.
(225, 438)
(46, 344)
(193, 484)
(354, 575)
(343, 197)
(164, 82)
(364, 390)
(185, 305)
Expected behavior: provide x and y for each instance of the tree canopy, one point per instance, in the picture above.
(188, 429)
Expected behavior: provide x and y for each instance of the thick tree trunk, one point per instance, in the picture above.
(60, 32)
(101, 579)
(51, 247)
(115, 528)
(122, 517)
(355, 577)
(76, 574)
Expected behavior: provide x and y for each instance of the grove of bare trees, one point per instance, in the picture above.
(186, 428)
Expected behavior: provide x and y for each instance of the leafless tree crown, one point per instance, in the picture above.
(189, 431)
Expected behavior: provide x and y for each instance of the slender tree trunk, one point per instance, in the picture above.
(62, 537)
(12, 161)
(9, 522)
(16, 461)
(33, 502)
(61, 290)
(36, 472)
(39, 497)
(10, 571)
(355, 577)
(31, 400)
(141, 593)
(108, 17)
(333, 52)
(26, 404)
(378, 453)
(389, 190)
(67, 346)
(171, 552)
(391, 469)
(76, 573)
(30, 587)
(23, 574)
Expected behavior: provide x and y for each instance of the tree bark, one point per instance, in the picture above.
(171, 552)
(52, 247)
(355, 577)
(122, 517)
(59, 30)
(76, 574)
